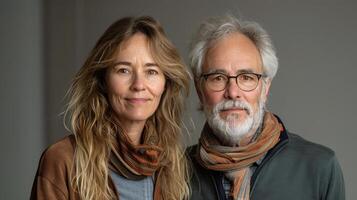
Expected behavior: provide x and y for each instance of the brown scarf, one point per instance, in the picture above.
(136, 162)
(235, 161)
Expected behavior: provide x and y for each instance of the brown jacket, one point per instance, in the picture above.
(53, 177)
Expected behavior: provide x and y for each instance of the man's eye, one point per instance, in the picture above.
(245, 77)
(217, 78)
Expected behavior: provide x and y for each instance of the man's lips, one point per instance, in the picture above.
(234, 109)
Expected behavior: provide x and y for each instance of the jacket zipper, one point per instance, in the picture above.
(271, 155)
(220, 193)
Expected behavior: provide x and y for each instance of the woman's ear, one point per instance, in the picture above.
(102, 80)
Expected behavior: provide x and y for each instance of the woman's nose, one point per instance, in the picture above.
(138, 82)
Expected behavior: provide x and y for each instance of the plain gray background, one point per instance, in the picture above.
(43, 43)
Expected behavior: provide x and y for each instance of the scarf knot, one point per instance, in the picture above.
(235, 161)
(136, 162)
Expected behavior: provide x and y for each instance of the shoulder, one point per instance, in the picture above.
(297, 145)
(320, 154)
(191, 154)
(194, 166)
(202, 182)
(318, 161)
(62, 147)
(57, 157)
(54, 171)
(308, 155)
(191, 150)
(198, 173)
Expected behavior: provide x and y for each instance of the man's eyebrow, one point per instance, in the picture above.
(223, 71)
(245, 71)
(215, 70)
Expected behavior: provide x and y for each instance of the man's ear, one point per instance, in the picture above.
(198, 87)
(267, 87)
(198, 90)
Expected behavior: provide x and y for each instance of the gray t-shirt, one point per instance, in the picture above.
(133, 189)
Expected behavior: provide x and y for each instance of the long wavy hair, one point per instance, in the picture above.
(92, 118)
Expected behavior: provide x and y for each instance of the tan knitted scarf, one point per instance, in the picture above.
(235, 161)
(136, 162)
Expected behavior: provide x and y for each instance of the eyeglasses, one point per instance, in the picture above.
(246, 81)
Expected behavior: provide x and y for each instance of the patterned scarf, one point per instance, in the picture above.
(136, 162)
(235, 161)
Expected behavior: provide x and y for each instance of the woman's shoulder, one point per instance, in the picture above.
(54, 171)
(63, 146)
(58, 156)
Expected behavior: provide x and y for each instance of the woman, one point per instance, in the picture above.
(125, 110)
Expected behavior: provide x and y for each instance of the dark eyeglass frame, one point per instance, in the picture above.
(259, 76)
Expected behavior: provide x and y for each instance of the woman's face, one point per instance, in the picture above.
(135, 83)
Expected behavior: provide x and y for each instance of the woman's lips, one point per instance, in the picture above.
(137, 100)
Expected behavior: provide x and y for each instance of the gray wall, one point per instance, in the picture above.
(313, 92)
(22, 96)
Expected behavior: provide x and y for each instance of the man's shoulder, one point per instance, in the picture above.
(191, 153)
(191, 150)
(195, 167)
(300, 146)
(201, 179)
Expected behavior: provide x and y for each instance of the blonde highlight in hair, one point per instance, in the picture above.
(93, 124)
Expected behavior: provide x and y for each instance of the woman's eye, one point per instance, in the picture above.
(152, 72)
(123, 71)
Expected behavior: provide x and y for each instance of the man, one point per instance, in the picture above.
(244, 151)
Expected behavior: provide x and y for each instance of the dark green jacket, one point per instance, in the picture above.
(295, 169)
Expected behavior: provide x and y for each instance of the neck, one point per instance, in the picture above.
(252, 135)
(249, 137)
(134, 130)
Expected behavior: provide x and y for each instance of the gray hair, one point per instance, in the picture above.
(214, 29)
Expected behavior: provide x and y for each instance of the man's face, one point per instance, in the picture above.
(232, 112)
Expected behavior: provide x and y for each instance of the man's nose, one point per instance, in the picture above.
(232, 90)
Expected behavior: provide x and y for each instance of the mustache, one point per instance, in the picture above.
(232, 104)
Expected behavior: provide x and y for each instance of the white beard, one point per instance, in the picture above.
(230, 131)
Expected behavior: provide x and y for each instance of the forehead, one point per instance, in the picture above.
(138, 39)
(235, 52)
(135, 45)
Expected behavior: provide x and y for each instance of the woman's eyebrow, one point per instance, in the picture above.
(151, 65)
(130, 64)
(122, 63)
